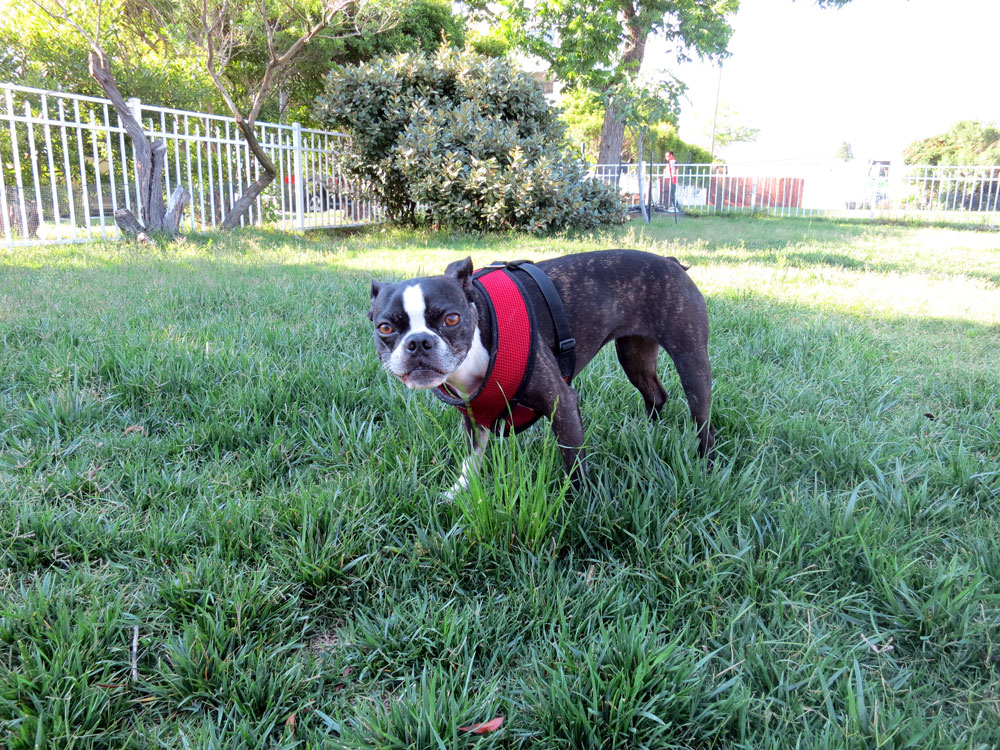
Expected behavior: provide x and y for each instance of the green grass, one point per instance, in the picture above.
(198, 445)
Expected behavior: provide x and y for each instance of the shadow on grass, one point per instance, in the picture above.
(715, 240)
(770, 258)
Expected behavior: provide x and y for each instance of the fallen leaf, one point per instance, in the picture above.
(484, 728)
(290, 723)
(135, 428)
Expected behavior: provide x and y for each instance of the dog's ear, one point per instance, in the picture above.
(461, 271)
(376, 288)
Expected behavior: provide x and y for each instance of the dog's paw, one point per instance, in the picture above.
(448, 496)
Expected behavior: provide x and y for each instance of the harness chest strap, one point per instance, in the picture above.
(565, 344)
(494, 405)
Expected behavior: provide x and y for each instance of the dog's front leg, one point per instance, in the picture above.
(476, 436)
(568, 429)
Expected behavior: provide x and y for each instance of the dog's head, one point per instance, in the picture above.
(424, 327)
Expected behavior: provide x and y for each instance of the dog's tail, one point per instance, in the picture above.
(670, 257)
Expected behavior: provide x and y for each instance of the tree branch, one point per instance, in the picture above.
(148, 157)
(277, 63)
(67, 19)
(218, 37)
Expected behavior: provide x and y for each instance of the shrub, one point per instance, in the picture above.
(965, 143)
(466, 138)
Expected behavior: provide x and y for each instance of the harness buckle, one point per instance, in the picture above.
(566, 345)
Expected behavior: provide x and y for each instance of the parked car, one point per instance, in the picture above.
(327, 194)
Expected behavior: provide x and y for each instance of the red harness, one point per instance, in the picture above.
(494, 405)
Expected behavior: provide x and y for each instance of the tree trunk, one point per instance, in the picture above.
(243, 203)
(175, 210)
(613, 129)
(130, 226)
(152, 199)
(642, 202)
(612, 135)
(149, 158)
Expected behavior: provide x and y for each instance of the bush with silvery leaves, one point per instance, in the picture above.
(469, 140)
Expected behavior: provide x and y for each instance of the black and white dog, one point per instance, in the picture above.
(442, 332)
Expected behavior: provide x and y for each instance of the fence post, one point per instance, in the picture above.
(297, 176)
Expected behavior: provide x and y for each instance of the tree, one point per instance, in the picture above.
(164, 44)
(222, 27)
(844, 152)
(726, 130)
(162, 66)
(421, 25)
(153, 214)
(641, 107)
(583, 113)
(466, 138)
(964, 143)
(166, 67)
(599, 44)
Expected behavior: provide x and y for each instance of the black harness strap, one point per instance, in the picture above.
(565, 344)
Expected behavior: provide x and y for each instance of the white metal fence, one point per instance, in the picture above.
(66, 165)
(969, 194)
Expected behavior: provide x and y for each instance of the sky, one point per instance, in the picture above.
(878, 74)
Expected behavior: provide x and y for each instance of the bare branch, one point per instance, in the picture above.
(212, 34)
(269, 28)
(218, 34)
(296, 11)
(149, 158)
(278, 63)
(66, 18)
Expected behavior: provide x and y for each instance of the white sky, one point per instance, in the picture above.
(876, 73)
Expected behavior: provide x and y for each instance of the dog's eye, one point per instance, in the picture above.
(385, 329)
(452, 319)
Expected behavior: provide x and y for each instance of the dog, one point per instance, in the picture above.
(454, 333)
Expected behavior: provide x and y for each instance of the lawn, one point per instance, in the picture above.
(221, 525)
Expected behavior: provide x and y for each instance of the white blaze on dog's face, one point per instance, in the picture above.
(424, 328)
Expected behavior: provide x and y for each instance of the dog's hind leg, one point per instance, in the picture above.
(637, 355)
(696, 378)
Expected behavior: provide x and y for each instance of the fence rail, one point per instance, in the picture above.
(66, 165)
(968, 194)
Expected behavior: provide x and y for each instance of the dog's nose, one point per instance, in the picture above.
(420, 341)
